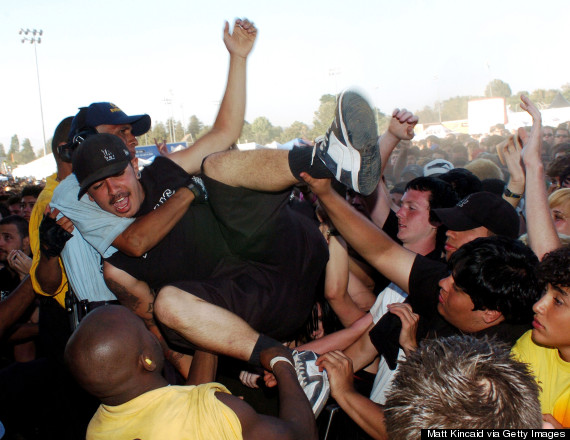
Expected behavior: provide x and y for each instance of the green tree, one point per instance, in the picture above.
(454, 109)
(205, 129)
(158, 132)
(382, 120)
(14, 149)
(246, 133)
(276, 133)
(514, 102)
(566, 91)
(2, 150)
(27, 154)
(543, 97)
(498, 88)
(296, 130)
(324, 115)
(170, 129)
(427, 115)
(262, 130)
(194, 127)
(179, 131)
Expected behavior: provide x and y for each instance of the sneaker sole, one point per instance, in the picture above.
(355, 158)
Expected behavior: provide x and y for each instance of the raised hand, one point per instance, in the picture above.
(402, 124)
(162, 147)
(532, 142)
(240, 41)
(509, 152)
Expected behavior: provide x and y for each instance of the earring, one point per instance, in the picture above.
(148, 361)
(138, 174)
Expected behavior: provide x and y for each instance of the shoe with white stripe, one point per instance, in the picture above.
(349, 149)
(315, 383)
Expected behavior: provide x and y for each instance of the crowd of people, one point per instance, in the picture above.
(362, 287)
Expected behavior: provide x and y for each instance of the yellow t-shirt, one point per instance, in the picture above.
(36, 218)
(172, 412)
(552, 374)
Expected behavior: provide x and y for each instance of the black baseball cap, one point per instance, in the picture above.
(481, 209)
(107, 113)
(98, 157)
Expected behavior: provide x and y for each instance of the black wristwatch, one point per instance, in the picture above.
(509, 193)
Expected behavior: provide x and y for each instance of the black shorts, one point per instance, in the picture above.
(278, 258)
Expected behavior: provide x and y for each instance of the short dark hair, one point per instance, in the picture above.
(20, 222)
(442, 195)
(14, 200)
(561, 148)
(553, 269)
(4, 211)
(31, 190)
(60, 135)
(460, 382)
(498, 273)
(557, 166)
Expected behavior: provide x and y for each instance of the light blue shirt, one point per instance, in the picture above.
(94, 232)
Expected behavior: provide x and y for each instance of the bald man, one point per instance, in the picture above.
(115, 358)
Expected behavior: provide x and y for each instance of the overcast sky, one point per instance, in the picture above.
(139, 53)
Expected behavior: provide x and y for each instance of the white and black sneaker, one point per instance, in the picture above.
(349, 149)
(315, 383)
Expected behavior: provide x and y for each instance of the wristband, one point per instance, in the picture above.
(279, 359)
(198, 189)
(508, 193)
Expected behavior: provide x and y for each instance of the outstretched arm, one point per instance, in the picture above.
(229, 122)
(389, 258)
(542, 234)
(401, 128)
(148, 230)
(341, 339)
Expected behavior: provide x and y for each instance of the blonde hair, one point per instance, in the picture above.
(485, 169)
(559, 197)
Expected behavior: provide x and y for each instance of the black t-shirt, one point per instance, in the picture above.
(424, 297)
(8, 282)
(423, 284)
(191, 250)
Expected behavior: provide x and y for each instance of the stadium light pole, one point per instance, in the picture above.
(35, 39)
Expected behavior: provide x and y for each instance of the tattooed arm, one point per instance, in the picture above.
(138, 297)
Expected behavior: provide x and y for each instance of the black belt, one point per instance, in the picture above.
(95, 304)
(79, 309)
(84, 306)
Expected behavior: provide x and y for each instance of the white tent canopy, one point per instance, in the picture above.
(38, 169)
